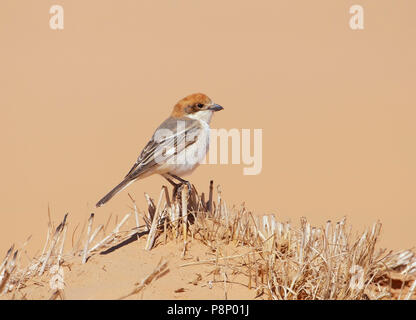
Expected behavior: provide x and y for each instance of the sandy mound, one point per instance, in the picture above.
(190, 247)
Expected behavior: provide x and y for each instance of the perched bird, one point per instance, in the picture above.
(177, 146)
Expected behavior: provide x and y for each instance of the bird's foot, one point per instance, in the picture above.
(178, 188)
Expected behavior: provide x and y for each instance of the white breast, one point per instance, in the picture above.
(187, 161)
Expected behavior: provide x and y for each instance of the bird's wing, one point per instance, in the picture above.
(169, 139)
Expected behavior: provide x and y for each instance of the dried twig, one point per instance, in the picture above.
(411, 290)
(155, 222)
(136, 215)
(61, 250)
(53, 243)
(111, 235)
(185, 212)
(159, 271)
(87, 240)
(8, 270)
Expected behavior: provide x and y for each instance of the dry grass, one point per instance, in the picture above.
(279, 260)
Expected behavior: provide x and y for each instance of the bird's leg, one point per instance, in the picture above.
(180, 185)
(175, 185)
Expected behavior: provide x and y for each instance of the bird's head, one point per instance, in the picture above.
(197, 106)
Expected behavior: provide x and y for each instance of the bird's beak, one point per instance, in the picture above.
(215, 107)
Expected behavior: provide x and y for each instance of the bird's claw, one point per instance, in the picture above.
(177, 190)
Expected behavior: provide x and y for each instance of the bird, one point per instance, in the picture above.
(177, 146)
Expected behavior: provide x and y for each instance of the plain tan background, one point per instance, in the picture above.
(337, 107)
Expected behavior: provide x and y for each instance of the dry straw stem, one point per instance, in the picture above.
(111, 236)
(160, 270)
(155, 222)
(57, 293)
(136, 214)
(55, 238)
(411, 290)
(216, 259)
(185, 212)
(87, 240)
(61, 250)
(225, 285)
(48, 235)
(211, 192)
(6, 259)
(98, 229)
(78, 243)
(8, 268)
(150, 212)
(404, 261)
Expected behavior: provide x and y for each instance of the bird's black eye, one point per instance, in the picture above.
(200, 105)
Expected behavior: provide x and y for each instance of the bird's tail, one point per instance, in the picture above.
(123, 184)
